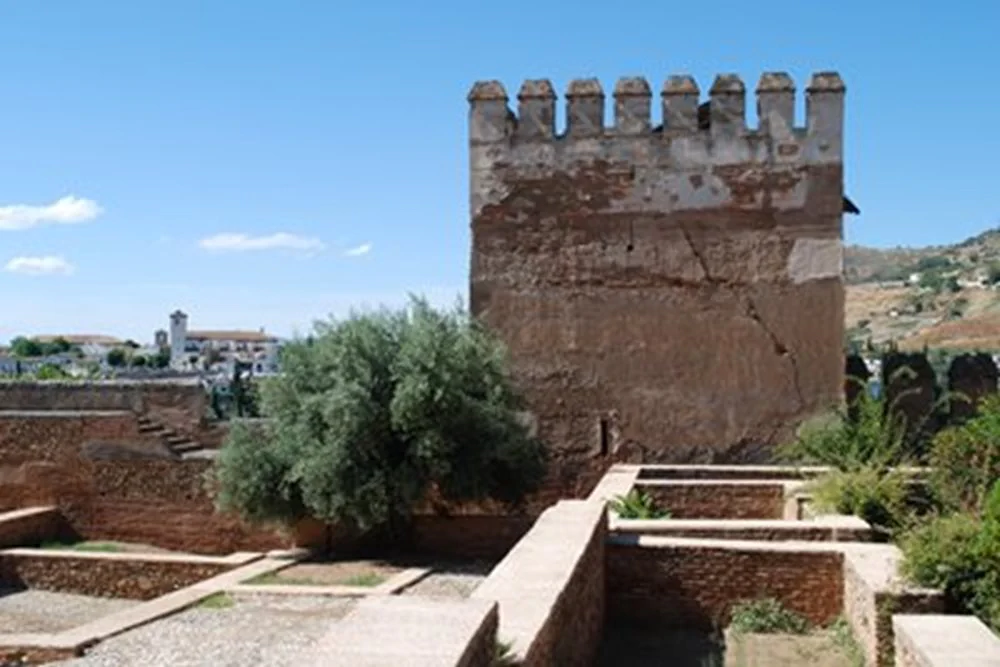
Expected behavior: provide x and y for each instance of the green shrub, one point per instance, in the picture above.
(377, 413)
(766, 616)
(965, 460)
(960, 554)
(637, 504)
(879, 496)
(864, 435)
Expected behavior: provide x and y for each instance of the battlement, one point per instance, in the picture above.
(717, 129)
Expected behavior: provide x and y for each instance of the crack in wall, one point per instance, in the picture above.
(702, 262)
(780, 349)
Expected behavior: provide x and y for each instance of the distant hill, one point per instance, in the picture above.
(940, 296)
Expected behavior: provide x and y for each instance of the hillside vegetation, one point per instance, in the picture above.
(940, 296)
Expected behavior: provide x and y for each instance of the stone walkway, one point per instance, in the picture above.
(29, 611)
(451, 580)
(256, 630)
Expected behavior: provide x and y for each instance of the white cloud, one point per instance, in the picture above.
(362, 249)
(243, 242)
(66, 211)
(39, 266)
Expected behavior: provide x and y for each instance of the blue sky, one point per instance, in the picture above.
(327, 139)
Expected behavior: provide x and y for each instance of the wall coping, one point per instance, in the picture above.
(181, 382)
(664, 542)
(15, 515)
(878, 567)
(236, 558)
(785, 483)
(822, 521)
(418, 631)
(617, 481)
(937, 640)
(530, 580)
(42, 414)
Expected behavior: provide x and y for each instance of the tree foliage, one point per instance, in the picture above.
(373, 412)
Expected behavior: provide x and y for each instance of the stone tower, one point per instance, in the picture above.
(178, 336)
(668, 294)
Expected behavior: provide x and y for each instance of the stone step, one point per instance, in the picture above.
(184, 447)
(175, 438)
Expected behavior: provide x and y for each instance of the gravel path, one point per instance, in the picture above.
(42, 611)
(272, 630)
(451, 580)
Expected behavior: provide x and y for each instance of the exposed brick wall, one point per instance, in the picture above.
(470, 536)
(58, 437)
(133, 577)
(729, 500)
(33, 526)
(666, 296)
(34, 655)
(688, 584)
(551, 587)
(156, 500)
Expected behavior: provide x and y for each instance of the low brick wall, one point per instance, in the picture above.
(469, 536)
(825, 529)
(551, 587)
(932, 640)
(32, 526)
(874, 591)
(391, 630)
(718, 499)
(691, 583)
(129, 576)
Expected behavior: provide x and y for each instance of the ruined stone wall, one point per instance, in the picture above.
(180, 404)
(123, 487)
(669, 294)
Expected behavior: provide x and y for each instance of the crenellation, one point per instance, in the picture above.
(585, 108)
(728, 106)
(536, 110)
(680, 104)
(632, 105)
(776, 105)
(723, 137)
(825, 118)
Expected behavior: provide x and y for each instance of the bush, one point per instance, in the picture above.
(374, 412)
(865, 435)
(637, 504)
(766, 616)
(878, 496)
(960, 554)
(966, 460)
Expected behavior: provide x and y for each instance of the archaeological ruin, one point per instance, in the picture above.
(671, 296)
(668, 293)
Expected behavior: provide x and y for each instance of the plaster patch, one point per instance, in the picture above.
(815, 259)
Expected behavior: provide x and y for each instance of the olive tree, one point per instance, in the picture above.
(372, 412)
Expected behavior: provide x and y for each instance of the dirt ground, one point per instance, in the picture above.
(326, 573)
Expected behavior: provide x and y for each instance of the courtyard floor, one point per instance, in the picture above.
(233, 630)
(31, 611)
(453, 580)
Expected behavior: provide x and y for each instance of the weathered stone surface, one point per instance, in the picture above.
(665, 296)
